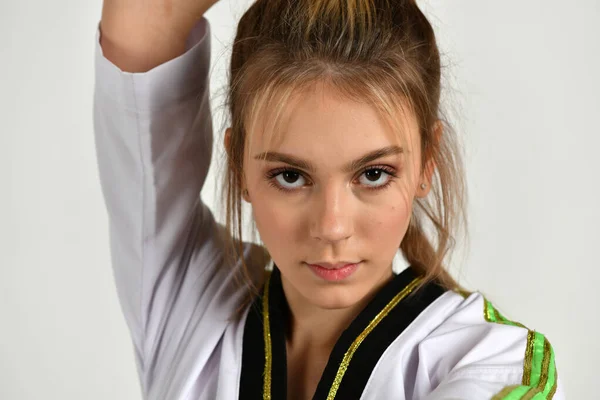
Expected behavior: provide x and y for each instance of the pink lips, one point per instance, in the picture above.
(333, 273)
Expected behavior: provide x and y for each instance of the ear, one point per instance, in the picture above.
(430, 166)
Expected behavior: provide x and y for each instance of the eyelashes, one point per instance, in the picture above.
(389, 173)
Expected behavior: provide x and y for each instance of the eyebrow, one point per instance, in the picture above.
(351, 166)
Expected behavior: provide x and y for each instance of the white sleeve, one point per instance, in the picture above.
(154, 139)
(479, 384)
(479, 354)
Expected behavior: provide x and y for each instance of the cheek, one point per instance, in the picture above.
(269, 216)
(274, 220)
(385, 227)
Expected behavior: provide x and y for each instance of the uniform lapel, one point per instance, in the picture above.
(354, 356)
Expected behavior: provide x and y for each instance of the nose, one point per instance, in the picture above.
(331, 219)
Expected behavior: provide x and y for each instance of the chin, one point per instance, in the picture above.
(335, 298)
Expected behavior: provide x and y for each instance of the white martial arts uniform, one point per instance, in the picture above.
(153, 134)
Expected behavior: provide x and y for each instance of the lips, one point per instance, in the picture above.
(336, 265)
(335, 272)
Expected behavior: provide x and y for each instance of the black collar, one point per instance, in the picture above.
(355, 354)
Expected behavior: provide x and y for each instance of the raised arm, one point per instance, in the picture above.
(153, 132)
(138, 35)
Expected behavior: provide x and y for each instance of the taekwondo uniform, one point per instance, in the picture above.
(153, 135)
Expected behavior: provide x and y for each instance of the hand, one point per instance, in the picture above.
(137, 35)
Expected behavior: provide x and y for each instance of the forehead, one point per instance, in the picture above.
(321, 123)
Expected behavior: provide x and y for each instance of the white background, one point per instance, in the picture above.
(524, 88)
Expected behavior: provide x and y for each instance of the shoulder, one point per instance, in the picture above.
(476, 341)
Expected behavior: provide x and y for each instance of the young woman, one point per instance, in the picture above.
(336, 140)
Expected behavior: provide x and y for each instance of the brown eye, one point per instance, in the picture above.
(373, 174)
(286, 179)
(377, 177)
(290, 176)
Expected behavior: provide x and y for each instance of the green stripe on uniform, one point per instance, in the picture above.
(493, 315)
(539, 374)
(539, 370)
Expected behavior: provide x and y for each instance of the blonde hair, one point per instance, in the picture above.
(380, 51)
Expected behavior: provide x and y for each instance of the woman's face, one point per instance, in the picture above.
(320, 197)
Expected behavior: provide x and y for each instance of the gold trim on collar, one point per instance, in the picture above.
(349, 354)
(382, 314)
(267, 340)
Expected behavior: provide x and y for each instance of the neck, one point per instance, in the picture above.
(313, 327)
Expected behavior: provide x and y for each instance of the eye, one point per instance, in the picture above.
(286, 179)
(377, 177)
